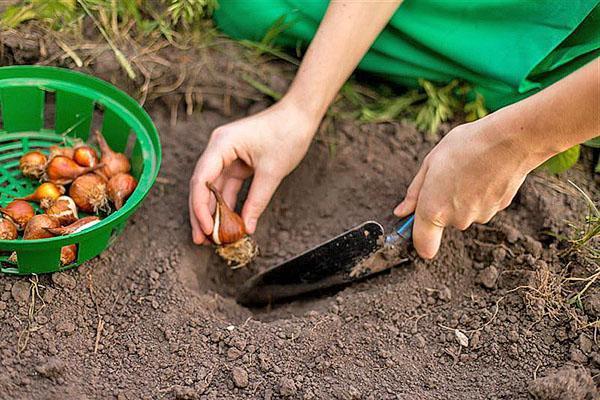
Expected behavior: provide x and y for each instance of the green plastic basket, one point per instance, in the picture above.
(44, 106)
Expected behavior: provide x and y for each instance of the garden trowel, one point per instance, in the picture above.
(353, 255)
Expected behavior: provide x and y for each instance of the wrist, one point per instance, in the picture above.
(523, 136)
(307, 116)
(312, 105)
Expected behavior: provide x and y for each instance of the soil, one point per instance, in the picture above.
(154, 316)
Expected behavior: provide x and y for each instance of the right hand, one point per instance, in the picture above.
(268, 145)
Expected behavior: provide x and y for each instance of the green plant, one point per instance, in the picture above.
(54, 12)
(190, 12)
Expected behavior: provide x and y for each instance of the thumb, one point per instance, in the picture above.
(427, 236)
(262, 189)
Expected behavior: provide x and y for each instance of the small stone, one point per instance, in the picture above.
(488, 277)
(52, 368)
(445, 294)
(2, 305)
(154, 275)
(64, 280)
(461, 338)
(239, 376)
(585, 343)
(420, 341)
(287, 387)
(20, 291)
(475, 339)
(233, 354)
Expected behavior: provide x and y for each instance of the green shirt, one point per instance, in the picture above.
(508, 49)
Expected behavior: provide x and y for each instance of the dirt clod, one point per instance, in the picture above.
(52, 368)
(488, 277)
(287, 387)
(64, 280)
(565, 384)
(239, 376)
(20, 291)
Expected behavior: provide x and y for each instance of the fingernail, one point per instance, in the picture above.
(398, 211)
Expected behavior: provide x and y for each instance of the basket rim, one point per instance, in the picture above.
(117, 98)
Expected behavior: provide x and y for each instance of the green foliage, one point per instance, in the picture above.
(390, 109)
(190, 12)
(163, 16)
(54, 12)
(439, 107)
(475, 109)
(563, 161)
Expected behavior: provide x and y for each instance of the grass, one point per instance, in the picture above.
(558, 295)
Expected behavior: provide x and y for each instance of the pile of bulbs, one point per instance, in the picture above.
(94, 184)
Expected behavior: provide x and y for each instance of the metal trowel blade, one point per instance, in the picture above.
(326, 265)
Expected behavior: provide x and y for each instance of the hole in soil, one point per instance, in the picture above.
(49, 109)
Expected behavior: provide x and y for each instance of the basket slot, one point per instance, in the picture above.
(115, 130)
(22, 108)
(73, 114)
(50, 110)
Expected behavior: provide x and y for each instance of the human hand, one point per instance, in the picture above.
(470, 175)
(268, 145)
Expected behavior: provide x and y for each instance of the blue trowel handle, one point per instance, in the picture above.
(402, 232)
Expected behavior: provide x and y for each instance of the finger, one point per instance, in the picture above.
(427, 235)
(262, 189)
(198, 236)
(409, 203)
(230, 191)
(208, 170)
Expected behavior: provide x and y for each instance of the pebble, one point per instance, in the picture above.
(488, 277)
(287, 387)
(64, 280)
(420, 341)
(233, 353)
(239, 376)
(20, 291)
(445, 294)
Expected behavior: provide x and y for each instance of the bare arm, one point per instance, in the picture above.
(347, 31)
(477, 168)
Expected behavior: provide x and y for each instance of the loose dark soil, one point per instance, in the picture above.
(154, 316)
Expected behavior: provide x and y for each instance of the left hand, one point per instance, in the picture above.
(472, 173)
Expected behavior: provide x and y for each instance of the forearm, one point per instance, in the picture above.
(563, 115)
(346, 33)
